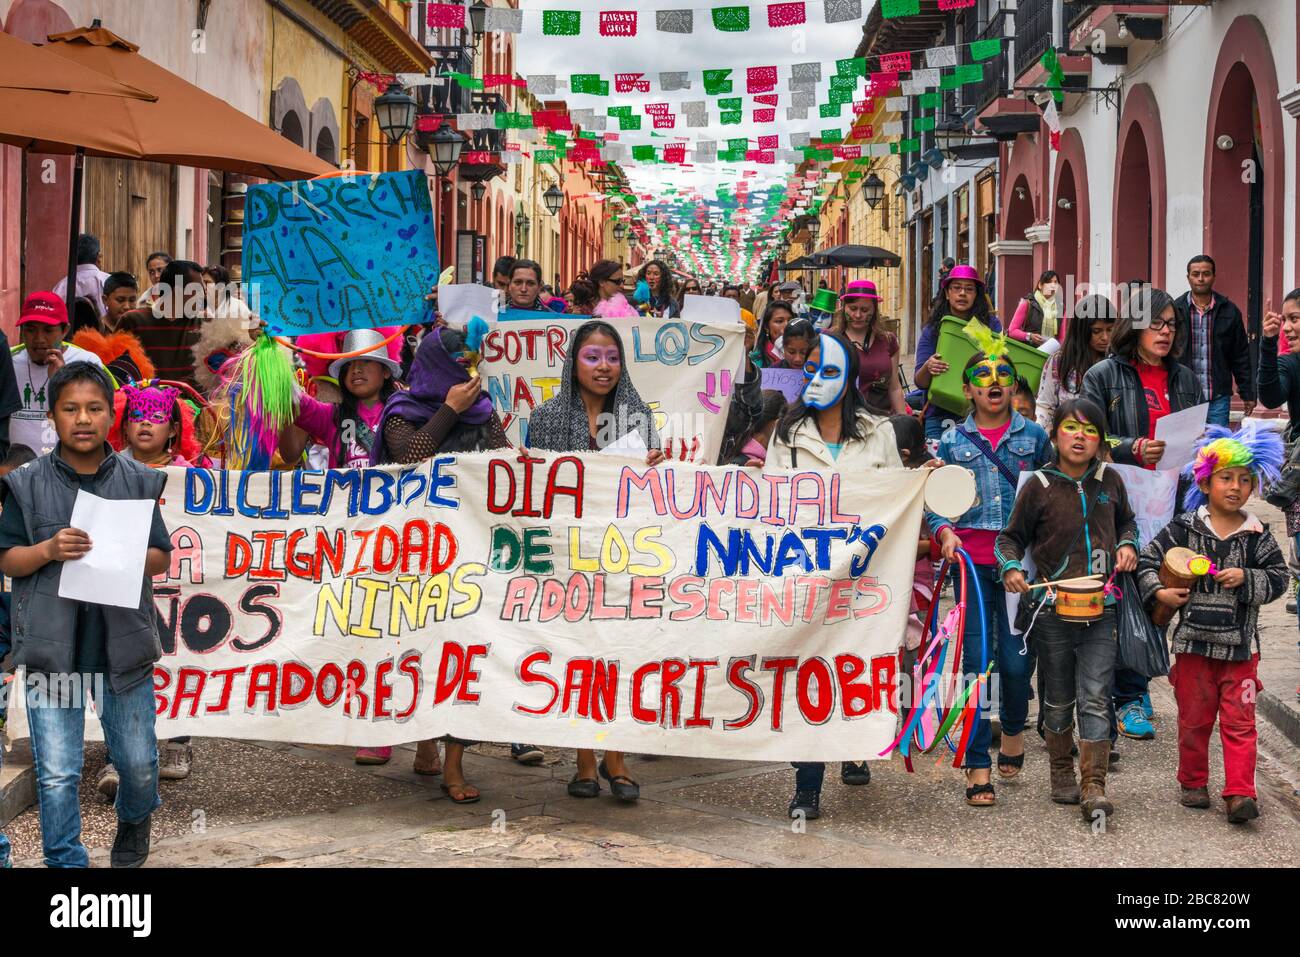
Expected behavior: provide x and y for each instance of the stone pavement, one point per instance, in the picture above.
(281, 805)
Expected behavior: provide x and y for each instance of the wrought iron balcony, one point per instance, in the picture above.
(1034, 34)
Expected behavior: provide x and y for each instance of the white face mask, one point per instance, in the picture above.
(828, 379)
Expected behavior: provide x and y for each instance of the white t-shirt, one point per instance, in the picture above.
(30, 426)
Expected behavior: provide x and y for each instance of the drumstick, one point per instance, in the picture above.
(1066, 581)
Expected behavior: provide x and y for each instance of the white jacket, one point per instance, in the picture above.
(877, 449)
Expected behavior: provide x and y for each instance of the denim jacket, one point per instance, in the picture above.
(1024, 448)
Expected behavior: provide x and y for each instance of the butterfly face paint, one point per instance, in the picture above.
(827, 378)
(593, 356)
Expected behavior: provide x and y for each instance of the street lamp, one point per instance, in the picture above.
(478, 191)
(477, 12)
(395, 112)
(620, 231)
(554, 199)
(444, 146)
(814, 228)
(873, 190)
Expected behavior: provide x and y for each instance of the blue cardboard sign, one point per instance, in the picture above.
(346, 252)
(791, 382)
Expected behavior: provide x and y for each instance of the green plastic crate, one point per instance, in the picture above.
(956, 348)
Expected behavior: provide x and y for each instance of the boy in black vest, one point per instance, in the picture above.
(74, 649)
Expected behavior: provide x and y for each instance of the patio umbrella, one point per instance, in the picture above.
(25, 66)
(803, 262)
(184, 125)
(855, 256)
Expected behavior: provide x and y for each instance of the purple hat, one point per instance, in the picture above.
(860, 289)
(963, 271)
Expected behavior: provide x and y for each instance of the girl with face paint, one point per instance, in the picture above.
(830, 427)
(996, 443)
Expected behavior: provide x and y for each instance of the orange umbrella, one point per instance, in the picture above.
(24, 66)
(186, 126)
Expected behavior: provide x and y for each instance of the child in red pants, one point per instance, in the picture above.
(1216, 635)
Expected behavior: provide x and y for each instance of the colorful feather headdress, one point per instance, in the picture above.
(991, 344)
(1259, 449)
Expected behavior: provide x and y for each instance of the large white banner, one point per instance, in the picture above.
(573, 601)
(685, 371)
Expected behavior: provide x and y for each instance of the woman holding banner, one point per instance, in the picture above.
(444, 410)
(830, 427)
(596, 406)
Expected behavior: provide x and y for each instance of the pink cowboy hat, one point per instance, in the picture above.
(963, 271)
(860, 289)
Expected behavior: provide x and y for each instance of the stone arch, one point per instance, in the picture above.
(1071, 228)
(1140, 197)
(325, 131)
(289, 114)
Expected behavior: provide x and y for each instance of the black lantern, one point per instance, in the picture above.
(521, 221)
(554, 199)
(395, 112)
(444, 146)
(477, 12)
(620, 231)
(814, 228)
(873, 190)
(478, 191)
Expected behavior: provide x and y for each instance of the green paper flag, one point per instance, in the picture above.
(929, 101)
(1055, 75)
(985, 49)
(514, 121)
(899, 8)
(583, 135)
(731, 117)
(853, 66)
(717, 81)
(619, 111)
(589, 83)
(629, 122)
(731, 103)
(544, 156)
(910, 146)
(828, 110)
(832, 136)
(893, 149)
(466, 81)
(970, 73)
(922, 124)
(561, 23)
(643, 152)
(824, 156)
(949, 81)
(732, 156)
(731, 19)
(841, 82)
(738, 143)
(557, 139)
(839, 97)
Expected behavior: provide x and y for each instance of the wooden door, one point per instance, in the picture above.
(131, 207)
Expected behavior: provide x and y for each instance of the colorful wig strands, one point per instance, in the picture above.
(1259, 449)
(263, 400)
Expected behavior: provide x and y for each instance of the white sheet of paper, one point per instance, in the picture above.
(715, 310)
(112, 572)
(1180, 431)
(462, 301)
(1050, 346)
(1031, 568)
(630, 446)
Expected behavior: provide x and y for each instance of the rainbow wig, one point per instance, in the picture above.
(1259, 449)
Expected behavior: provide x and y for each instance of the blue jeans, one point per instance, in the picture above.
(1129, 687)
(4, 841)
(808, 775)
(58, 739)
(1220, 411)
(1076, 661)
(1013, 668)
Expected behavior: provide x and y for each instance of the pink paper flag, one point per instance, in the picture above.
(768, 142)
(760, 79)
(864, 106)
(618, 23)
(896, 62)
(767, 99)
(785, 14)
(955, 4)
(767, 115)
(665, 121)
(656, 109)
(448, 15)
(631, 83)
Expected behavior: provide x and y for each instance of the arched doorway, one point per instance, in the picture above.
(1139, 211)
(1245, 202)
(1017, 270)
(1071, 217)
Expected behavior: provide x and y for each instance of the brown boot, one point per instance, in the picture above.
(1065, 786)
(427, 761)
(1094, 759)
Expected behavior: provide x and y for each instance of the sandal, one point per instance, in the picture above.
(974, 791)
(466, 797)
(1014, 761)
(620, 785)
(584, 788)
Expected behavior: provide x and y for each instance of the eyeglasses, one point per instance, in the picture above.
(986, 375)
(617, 279)
(1160, 325)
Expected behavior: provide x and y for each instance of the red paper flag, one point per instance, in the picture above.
(631, 83)
(881, 83)
(955, 4)
(864, 106)
(896, 62)
(448, 15)
(767, 99)
(767, 115)
(760, 79)
(665, 121)
(768, 142)
(618, 23)
(656, 109)
(476, 157)
(675, 153)
(785, 14)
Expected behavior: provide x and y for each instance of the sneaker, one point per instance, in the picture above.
(175, 760)
(106, 783)
(1134, 724)
(373, 755)
(527, 753)
(131, 845)
(1147, 708)
(855, 773)
(806, 804)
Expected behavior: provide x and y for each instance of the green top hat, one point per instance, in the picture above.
(825, 300)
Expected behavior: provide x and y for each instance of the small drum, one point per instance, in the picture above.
(1175, 572)
(1085, 601)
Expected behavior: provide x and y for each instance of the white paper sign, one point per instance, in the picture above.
(112, 572)
(630, 446)
(1050, 346)
(460, 302)
(714, 310)
(1180, 432)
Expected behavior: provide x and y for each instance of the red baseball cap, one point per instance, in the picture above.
(44, 307)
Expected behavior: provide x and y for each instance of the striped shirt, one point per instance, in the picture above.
(168, 343)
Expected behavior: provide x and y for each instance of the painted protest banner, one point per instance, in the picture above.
(574, 601)
(685, 371)
(344, 252)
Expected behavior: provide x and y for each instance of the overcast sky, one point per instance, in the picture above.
(651, 52)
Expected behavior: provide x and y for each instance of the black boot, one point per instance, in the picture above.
(807, 802)
(131, 845)
(855, 773)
